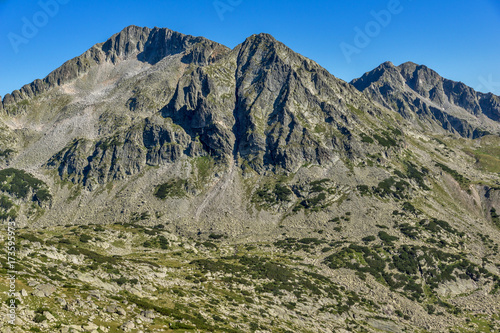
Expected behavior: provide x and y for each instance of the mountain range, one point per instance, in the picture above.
(385, 187)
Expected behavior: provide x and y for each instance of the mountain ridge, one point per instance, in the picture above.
(148, 48)
(131, 41)
(339, 207)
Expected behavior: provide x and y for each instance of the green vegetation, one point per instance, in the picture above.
(319, 185)
(495, 217)
(6, 153)
(42, 195)
(7, 208)
(136, 216)
(123, 280)
(462, 181)
(384, 187)
(413, 173)
(365, 138)
(307, 244)
(386, 238)
(272, 194)
(282, 192)
(215, 236)
(411, 262)
(5, 202)
(270, 276)
(487, 157)
(435, 225)
(174, 188)
(398, 186)
(368, 239)
(315, 203)
(315, 195)
(409, 231)
(32, 238)
(391, 187)
(93, 256)
(247, 279)
(355, 110)
(85, 238)
(408, 207)
(386, 139)
(39, 318)
(312, 197)
(363, 189)
(179, 312)
(157, 242)
(20, 184)
(358, 258)
(107, 143)
(204, 166)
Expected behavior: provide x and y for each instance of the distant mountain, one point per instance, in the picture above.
(363, 206)
(418, 92)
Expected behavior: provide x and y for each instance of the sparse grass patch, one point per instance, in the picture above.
(175, 188)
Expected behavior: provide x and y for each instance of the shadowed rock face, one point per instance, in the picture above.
(278, 98)
(261, 102)
(419, 92)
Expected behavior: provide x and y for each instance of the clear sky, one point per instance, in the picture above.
(460, 39)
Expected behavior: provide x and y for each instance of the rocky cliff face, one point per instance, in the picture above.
(154, 96)
(282, 103)
(186, 149)
(419, 92)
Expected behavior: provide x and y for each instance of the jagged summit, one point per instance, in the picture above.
(140, 43)
(418, 92)
(147, 45)
(262, 36)
(151, 45)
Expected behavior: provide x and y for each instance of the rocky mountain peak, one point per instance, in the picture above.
(416, 91)
(265, 47)
(386, 65)
(152, 45)
(132, 43)
(385, 69)
(419, 77)
(258, 45)
(260, 37)
(410, 65)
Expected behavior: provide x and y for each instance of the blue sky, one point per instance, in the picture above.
(459, 39)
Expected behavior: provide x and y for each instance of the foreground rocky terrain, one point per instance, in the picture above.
(164, 182)
(133, 278)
